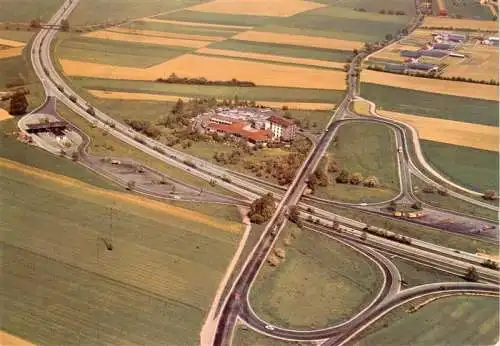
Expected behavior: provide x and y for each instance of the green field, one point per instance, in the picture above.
(468, 9)
(60, 284)
(180, 29)
(473, 168)
(408, 6)
(417, 231)
(283, 50)
(101, 11)
(219, 92)
(369, 149)
(244, 336)
(449, 202)
(415, 274)
(23, 36)
(464, 320)
(26, 10)
(432, 104)
(334, 280)
(119, 53)
(218, 18)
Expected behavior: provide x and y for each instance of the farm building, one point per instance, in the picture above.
(444, 46)
(395, 68)
(421, 67)
(282, 128)
(410, 54)
(435, 53)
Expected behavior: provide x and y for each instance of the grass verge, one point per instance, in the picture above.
(333, 292)
(244, 336)
(474, 319)
(414, 274)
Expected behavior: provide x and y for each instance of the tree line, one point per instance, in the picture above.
(174, 79)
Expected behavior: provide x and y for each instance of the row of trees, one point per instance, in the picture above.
(382, 11)
(174, 79)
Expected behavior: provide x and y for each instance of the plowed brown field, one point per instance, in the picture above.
(479, 91)
(276, 8)
(299, 40)
(448, 131)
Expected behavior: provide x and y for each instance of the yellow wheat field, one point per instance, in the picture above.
(66, 182)
(449, 131)
(270, 57)
(479, 91)
(11, 43)
(298, 40)
(118, 95)
(481, 63)
(108, 35)
(10, 52)
(196, 24)
(7, 339)
(486, 25)
(167, 34)
(275, 8)
(4, 115)
(215, 68)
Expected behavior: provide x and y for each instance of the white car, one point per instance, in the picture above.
(363, 204)
(269, 327)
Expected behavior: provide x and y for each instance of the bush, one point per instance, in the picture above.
(490, 195)
(356, 178)
(262, 209)
(343, 177)
(371, 181)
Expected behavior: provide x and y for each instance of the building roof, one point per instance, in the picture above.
(444, 46)
(435, 53)
(410, 54)
(50, 125)
(281, 121)
(241, 129)
(421, 66)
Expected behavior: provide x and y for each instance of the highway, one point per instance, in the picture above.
(236, 304)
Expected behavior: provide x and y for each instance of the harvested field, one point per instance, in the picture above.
(299, 40)
(201, 25)
(165, 34)
(479, 91)
(116, 196)
(11, 52)
(270, 57)
(117, 95)
(361, 107)
(452, 23)
(481, 63)
(448, 131)
(4, 115)
(11, 43)
(215, 68)
(7, 339)
(165, 41)
(274, 8)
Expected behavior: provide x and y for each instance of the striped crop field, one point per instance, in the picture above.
(61, 285)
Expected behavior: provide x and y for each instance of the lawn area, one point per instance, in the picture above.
(26, 10)
(369, 149)
(468, 9)
(449, 202)
(111, 52)
(428, 234)
(473, 168)
(106, 145)
(283, 50)
(15, 35)
(457, 320)
(432, 104)
(408, 6)
(361, 107)
(345, 23)
(317, 120)
(244, 336)
(101, 11)
(219, 92)
(180, 29)
(61, 285)
(334, 280)
(415, 274)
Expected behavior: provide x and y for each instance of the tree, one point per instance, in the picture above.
(356, 178)
(262, 209)
(35, 23)
(417, 205)
(490, 195)
(371, 181)
(343, 177)
(75, 156)
(471, 275)
(179, 107)
(18, 103)
(64, 25)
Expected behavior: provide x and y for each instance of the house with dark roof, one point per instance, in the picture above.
(410, 54)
